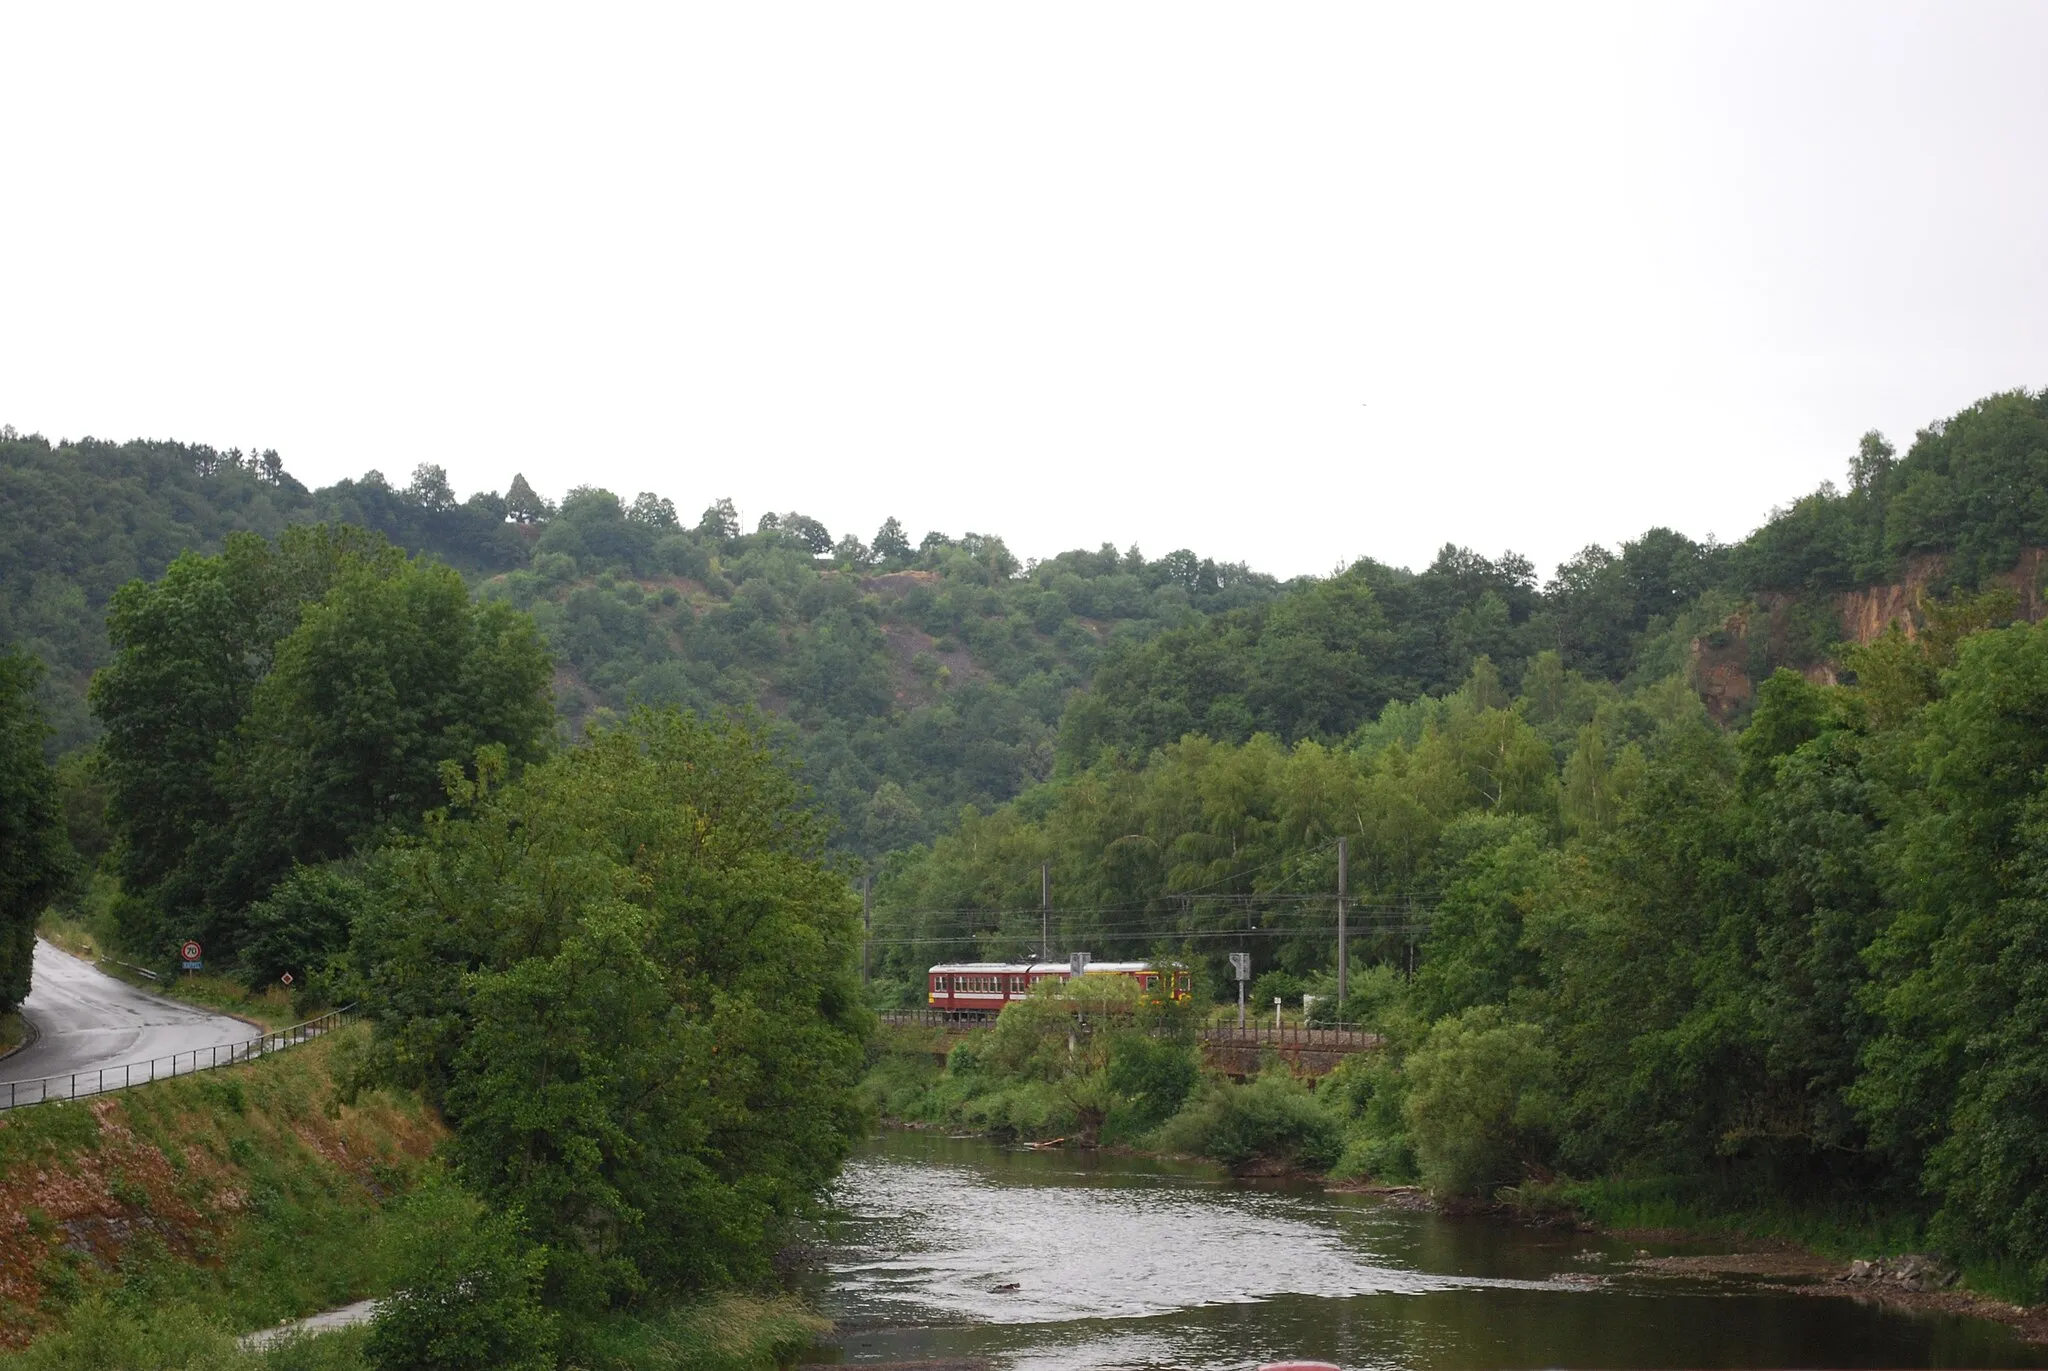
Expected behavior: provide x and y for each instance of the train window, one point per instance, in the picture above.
(941, 984)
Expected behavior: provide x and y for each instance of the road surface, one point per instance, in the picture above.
(88, 1022)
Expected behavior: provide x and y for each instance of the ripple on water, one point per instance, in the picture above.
(934, 1241)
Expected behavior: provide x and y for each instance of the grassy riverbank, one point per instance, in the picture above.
(1442, 1117)
(726, 1333)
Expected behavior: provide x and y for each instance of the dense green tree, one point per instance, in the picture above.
(627, 979)
(891, 547)
(1956, 1074)
(34, 860)
(289, 702)
(522, 505)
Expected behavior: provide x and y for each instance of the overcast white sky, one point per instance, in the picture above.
(1285, 283)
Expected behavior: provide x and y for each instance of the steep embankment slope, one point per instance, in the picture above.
(252, 1192)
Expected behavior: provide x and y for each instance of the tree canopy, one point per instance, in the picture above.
(34, 857)
(628, 979)
(287, 702)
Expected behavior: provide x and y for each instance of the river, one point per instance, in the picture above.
(956, 1249)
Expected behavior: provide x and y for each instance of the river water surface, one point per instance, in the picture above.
(1041, 1261)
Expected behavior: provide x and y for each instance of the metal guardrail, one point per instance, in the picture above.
(103, 1080)
(1322, 1037)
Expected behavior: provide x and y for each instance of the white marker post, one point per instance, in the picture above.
(1241, 963)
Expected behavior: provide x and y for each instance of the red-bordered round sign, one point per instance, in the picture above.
(190, 951)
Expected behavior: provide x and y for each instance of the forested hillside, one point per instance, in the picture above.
(914, 677)
(1789, 948)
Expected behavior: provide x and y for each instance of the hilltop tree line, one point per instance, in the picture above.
(911, 676)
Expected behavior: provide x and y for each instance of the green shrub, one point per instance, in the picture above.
(1367, 1089)
(1480, 1101)
(1151, 1079)
(1273, 1118)
(468, 1296)
(1276, 985)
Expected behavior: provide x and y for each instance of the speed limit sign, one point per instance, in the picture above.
(189, 953)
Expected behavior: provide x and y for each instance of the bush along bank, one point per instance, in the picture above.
(1460, 1108)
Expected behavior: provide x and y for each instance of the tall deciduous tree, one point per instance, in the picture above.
(286, 702)
(627, 980)
(33, 855)
(522, 505)
(892, 546)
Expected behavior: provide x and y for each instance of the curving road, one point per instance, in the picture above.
(91, 1025)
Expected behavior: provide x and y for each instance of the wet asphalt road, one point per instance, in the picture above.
(88, 1021)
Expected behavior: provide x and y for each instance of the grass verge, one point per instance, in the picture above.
(13, 1033)
(1844, 1229)
(722, 1333)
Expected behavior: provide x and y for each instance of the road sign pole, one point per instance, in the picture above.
(1343, 941)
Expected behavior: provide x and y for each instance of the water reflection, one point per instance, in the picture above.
(1049, 1261)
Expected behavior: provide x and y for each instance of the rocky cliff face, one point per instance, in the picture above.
(1779, 628)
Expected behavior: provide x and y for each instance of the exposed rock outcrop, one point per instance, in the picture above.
(1796, 628)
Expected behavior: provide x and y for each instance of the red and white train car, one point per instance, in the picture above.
(988, 986)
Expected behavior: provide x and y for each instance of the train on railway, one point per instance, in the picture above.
(985, 987)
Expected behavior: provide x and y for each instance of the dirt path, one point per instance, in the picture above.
(348, 1316)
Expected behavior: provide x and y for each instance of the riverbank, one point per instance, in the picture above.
(1358, 1129)
(1108, 1257)
(1835, 1263)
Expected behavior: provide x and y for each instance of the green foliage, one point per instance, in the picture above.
(80, 520)
(291, 702)
(1369, 1090)
(35, 862)
(466, 1291)
(302, 925)
(1970, 486)
(652, 1033)
(1958, 1074)
(1152, 1078)
(1272, 1119)
(1211, 840)
(1480, 1102)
